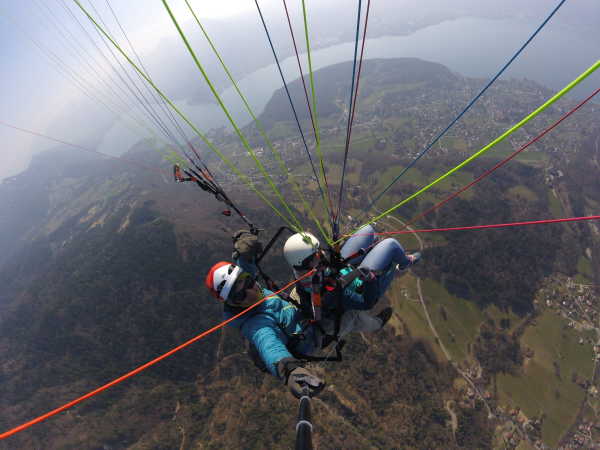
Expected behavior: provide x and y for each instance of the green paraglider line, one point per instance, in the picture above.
(259, 126)
(465, 109)
(504, 161)
(352, 104)
(210, 145)
(500, 138)
(226, 111)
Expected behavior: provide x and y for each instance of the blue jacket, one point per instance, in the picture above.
(270, 326)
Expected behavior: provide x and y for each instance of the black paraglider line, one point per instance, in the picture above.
(294, 111)
(352, 106)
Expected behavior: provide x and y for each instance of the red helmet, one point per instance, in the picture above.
(220, 279)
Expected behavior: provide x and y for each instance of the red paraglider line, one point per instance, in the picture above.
(482, 227)
(144, 366)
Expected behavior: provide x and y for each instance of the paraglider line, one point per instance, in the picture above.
(284, 169)
(330, 206)
(316, 117)
(469, 105)
(120, 158)
(504, 161)
(145, 366)
(490, 145)
(299, 66)
(157, 99)
(201, 135)
(352, 110)
(238, 131)
(482, 227)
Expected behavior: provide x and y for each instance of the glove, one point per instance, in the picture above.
(299, 380)
(246, 245)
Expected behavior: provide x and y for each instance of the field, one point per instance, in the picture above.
(523, 193)
(456, 320)
(584, 267)
(547, 382)
(408, 311)
(555, 206)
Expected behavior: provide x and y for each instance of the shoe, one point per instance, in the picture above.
(414, 258)
(385, 316)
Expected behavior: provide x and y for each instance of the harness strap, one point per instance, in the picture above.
(308, 358)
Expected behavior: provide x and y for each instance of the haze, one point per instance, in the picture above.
(59, 77)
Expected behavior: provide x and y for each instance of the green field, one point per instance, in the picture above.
(498, 151)
(533, 158)
(407, 307)
(454, 182)
(412, 176)
(555, 206)
(457, 329)
(462, 318)
(584, 267)
(454, 143)
(497, 315)
(540, 389)
(522, 192)
(547, 381)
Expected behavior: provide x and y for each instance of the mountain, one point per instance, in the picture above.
(108, 276)
(104, 266)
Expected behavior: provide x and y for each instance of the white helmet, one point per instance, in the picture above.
(220, 279)
(299, 247)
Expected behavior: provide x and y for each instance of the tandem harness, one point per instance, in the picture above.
(323, 303)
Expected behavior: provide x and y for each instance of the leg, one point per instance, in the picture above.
(381, 260)
(363, 238)
(383, 255)
(354, 321)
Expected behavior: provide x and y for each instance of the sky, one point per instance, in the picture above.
(33, 91)
(38, 35)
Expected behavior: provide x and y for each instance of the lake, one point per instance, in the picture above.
(473, 47)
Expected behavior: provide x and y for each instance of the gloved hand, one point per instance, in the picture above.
(246, 245)
(299, 379)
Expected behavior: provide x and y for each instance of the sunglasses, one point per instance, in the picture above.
(238, 291)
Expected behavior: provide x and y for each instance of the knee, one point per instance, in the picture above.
(367, 229)
(389, 245)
